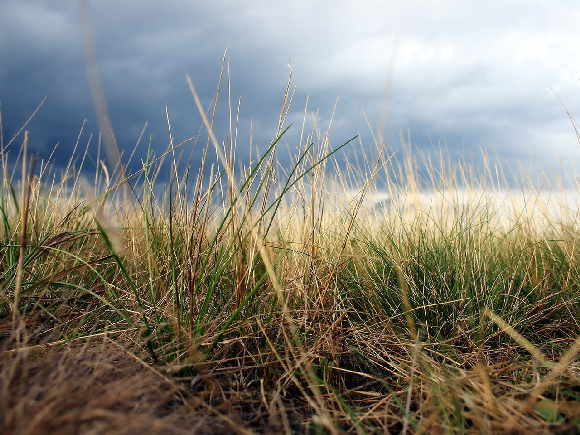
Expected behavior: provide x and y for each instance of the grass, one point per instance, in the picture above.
(321, 298)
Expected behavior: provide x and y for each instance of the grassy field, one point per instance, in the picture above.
(373, 297)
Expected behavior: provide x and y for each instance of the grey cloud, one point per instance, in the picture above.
(468, 74)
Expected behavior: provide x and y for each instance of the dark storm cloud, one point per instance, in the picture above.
(467, 75)
(143, 54)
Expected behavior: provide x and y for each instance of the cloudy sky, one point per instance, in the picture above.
(466, 74)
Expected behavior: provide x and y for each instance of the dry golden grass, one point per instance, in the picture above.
(301, 301)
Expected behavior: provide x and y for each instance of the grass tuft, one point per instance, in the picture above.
(388, 295)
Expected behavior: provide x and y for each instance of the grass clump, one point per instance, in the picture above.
(367, 299)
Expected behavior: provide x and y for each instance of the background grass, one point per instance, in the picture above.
(322, 298)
